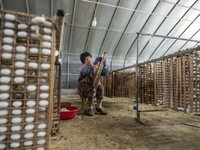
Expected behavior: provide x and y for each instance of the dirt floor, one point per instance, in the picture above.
(119, 131)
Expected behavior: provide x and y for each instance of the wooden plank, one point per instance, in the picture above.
(191, 83)
(184, 83)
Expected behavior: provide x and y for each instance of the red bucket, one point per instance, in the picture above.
(69, 114)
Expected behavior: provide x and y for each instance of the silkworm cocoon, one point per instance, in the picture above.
(46, 51)
(9, 24)
(47, 23)
(46, 37)
(4, 96)
(33, 28)
(8, 40)
(28, 135)
(20, 56)
(20, 72)
(19, 79)
(20, 49)
(43, 102)
(43, 74)
(42, 126)
(17, 103)
(40, 148)
(5, 71)
(3, 112)
(17, 112)
(29, 119)
(41, 141)
(44, 87)
(19, 64)
(33, 65)
(3, 129)
(38, 20)
(42, 117)
(46, 44)
(22, 26)
(41, 134)
(3, 137)
(34, 50)
(3, 120)
(14, 144)
(9, 32)
(4, 87)
(47, 30)
(6, 55)
(30, 103)
(42, 109)
(30, 111)
(16, 120)
(29, 127)
(22, 34)
(7, 48)
(10, 17)
(44, 95)
(16, 128)
(5, 79)
(31, 87)
(15, 136)
(2, 146)
(4, 104)
(34, 35)
(45, 65)
(28, 143)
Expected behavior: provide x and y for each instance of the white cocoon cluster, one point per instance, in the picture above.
(20, 72)
(3, 120)
(19, 79)
(20, 56)
(5, 79)
(3, 112)
(41, 133)
(14, 144)
(31, 87)
(10, 17)
(8, 40)
(34, 35)
(29, 127)
(47, 30)
(3, 129)
(6, 55)
(17, 104)
(4, 96)
(46, 51)
(4, 104)
(2, 137)
(28, 143)
(16, 128)
(16, 120)
(4, 87)
(34, 50)
(43, 102)
(38, 20)
(15, 136)
(20, 64)
(7, 48)
(44, 95)
(46, 37)
(41, 141)
(30, 103)
(22, 34)
(29, 119)
(20, 49)
(45, 66)
(28, 135)
(22, 26)
(16, 111)
(46, 44)
(9, 32)
(42, 126)
(33, 65)
(44, 87)
(30, 111)
(5, 71)
(9, 24)
(2, 146)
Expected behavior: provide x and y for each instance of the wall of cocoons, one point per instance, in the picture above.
(26, 80)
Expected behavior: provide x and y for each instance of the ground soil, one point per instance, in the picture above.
(118, 130)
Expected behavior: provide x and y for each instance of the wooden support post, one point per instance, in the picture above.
(191, 83)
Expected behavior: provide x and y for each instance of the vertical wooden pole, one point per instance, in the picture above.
(191, 83)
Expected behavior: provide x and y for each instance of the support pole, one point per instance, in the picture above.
(137, 83)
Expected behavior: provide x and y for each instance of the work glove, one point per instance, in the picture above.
(98, 59)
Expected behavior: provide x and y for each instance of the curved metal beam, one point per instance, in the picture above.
(1, 4)
(123, 34)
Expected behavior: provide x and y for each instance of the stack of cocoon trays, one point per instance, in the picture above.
(25, 75)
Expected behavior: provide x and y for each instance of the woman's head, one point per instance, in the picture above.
(86, 58)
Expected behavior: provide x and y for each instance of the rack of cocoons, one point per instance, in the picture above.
(26, 80)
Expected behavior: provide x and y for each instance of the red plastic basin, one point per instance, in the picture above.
(69, 114)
